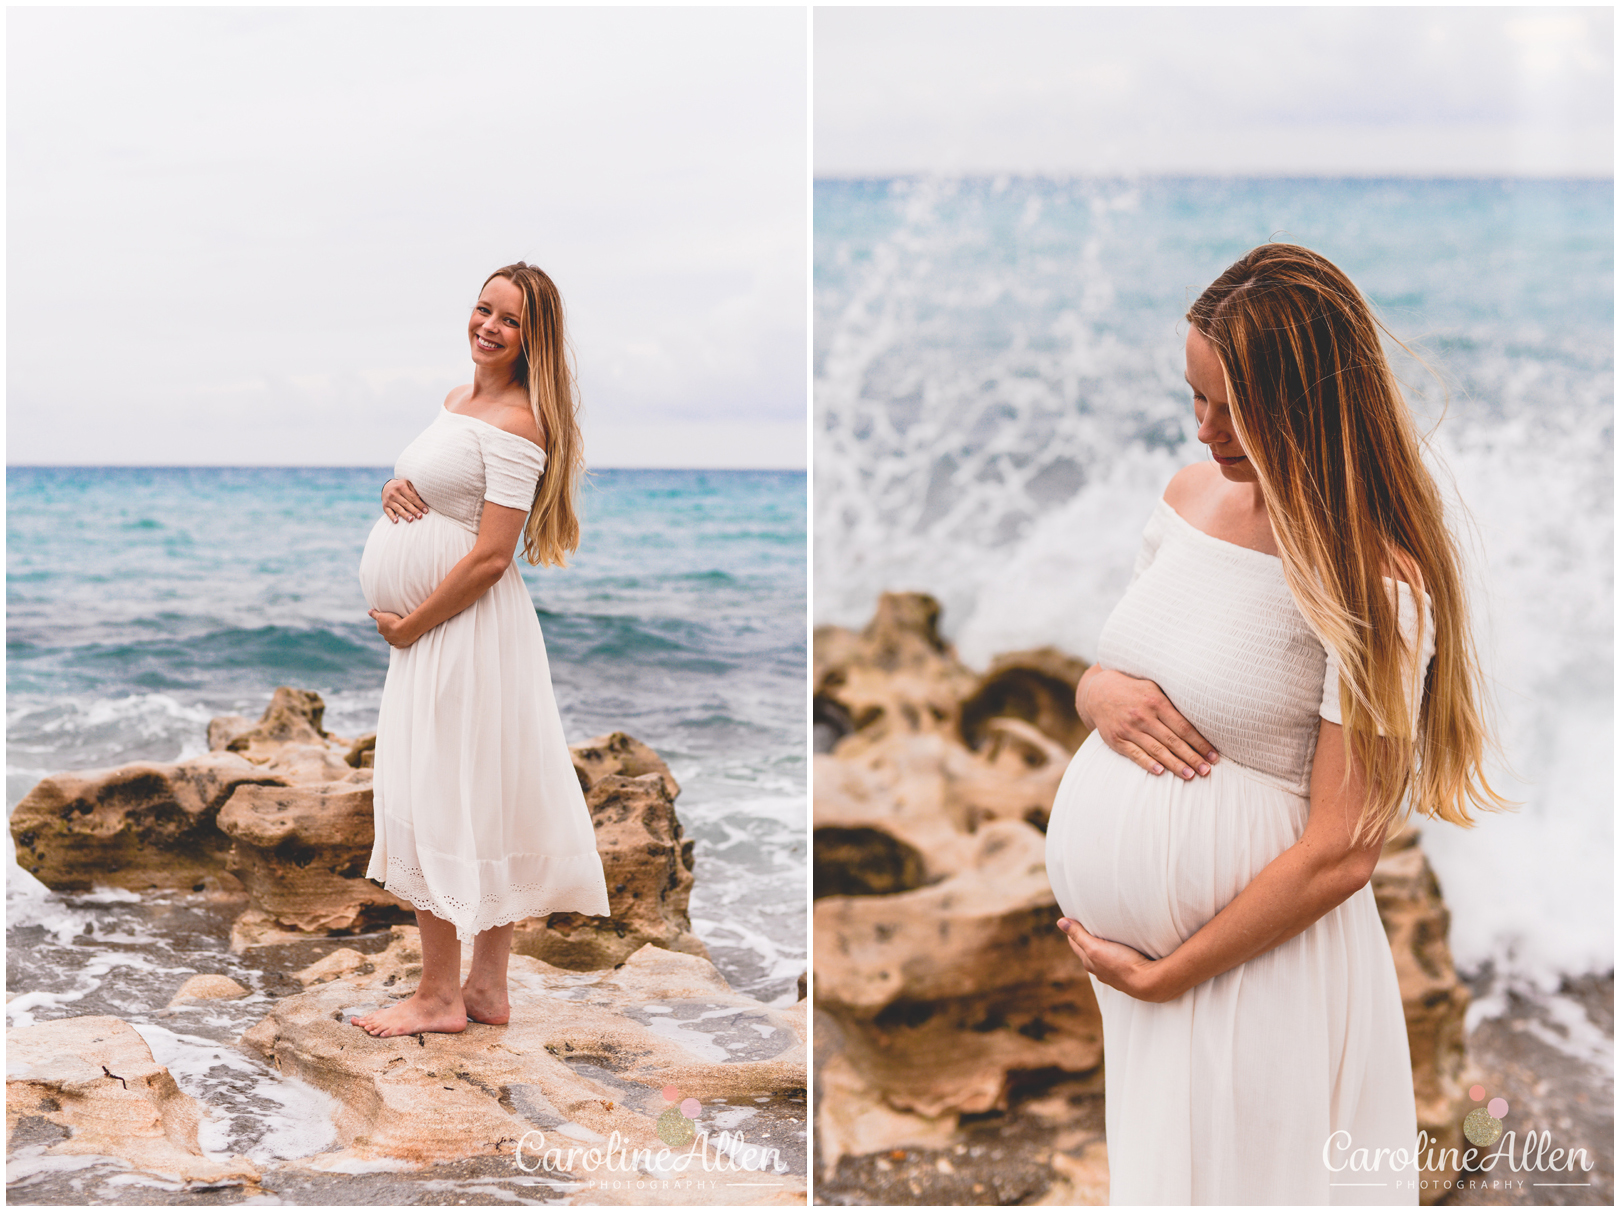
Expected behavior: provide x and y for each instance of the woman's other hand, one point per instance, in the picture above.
(400, 501)
(393, 629)
(1114, 964)
(1137, 720)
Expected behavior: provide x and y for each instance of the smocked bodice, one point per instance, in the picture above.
(1215, 626)
(459, 462)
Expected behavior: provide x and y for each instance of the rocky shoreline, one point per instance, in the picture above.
(270, 832)
(948, 1009)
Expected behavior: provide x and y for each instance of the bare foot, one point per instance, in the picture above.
(412, 1016)
(486, 1005)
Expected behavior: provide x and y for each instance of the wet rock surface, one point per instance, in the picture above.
(221, 958)
(585, 1056)
(89, 1087)
(1552, 1059)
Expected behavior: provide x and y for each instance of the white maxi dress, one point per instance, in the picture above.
(479, 815)
(1228, 1093)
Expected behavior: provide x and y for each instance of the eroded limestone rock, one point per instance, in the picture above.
(206, 987)
(301, 852)
(1418, 923)
(95, 1078)
(896, 675)
(646, 858)
(944, 991)
(144, 825)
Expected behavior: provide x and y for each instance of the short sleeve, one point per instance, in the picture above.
(1406, 606)
(1152, 536)
(512, 468)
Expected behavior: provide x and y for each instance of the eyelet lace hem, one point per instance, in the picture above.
(500, 908)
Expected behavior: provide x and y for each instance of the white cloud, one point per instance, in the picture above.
(1423, 91)
(251, 236)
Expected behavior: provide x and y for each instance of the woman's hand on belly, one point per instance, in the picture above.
(400, 501)
(1114, 964)
(394, 629)
(1137, 720)
(472, 576)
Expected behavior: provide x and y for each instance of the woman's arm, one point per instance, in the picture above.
(1299, 886)
(1137, 720)
(469, 580)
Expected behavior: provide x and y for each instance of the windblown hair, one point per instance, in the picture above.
(1323, 421)
(545, 368)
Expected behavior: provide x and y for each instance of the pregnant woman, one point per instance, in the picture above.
(479, 816)
(1290, 665)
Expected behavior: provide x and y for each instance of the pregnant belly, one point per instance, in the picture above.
(1147, 859)
(404, 561)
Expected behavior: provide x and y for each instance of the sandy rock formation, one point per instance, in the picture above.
(935, 949)
(934, 916)
(280, 812)
(896, 675)
(90, 1086)
(585, 1055)
(946, 990)
(206, 987)
(646, 858)
(1417, 922)
(144, 825)
(302, 851)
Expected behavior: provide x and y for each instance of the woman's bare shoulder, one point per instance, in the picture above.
(455, 395)
(518, 420)
(1190, 484)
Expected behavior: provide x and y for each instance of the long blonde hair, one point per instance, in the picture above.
(1323, 421)
(545, 368)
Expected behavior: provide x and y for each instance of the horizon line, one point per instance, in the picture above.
(314, 467)
(1194, 175)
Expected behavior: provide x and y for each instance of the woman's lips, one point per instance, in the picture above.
(1225, 462)
(486, 346)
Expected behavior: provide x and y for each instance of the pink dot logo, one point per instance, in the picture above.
(675, 1124)
(1483, 1125)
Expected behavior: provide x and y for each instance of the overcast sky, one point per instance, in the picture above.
(1309, 91)
(253, 236)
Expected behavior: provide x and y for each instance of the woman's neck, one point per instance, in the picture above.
(490, 385)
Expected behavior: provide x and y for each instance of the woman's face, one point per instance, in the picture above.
(1213, 410)
(494, 331)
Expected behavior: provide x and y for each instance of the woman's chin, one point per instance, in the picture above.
(1241, 472)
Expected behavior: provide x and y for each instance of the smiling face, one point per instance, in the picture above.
(1214, 411)
(495, 330)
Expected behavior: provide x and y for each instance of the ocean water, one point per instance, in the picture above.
(144, 601)
(999, 402)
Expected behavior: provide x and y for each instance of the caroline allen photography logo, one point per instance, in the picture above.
(679, 1129)
(1483, 1128)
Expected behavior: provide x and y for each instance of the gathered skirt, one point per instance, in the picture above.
(479, 814)
(1230, 1093)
